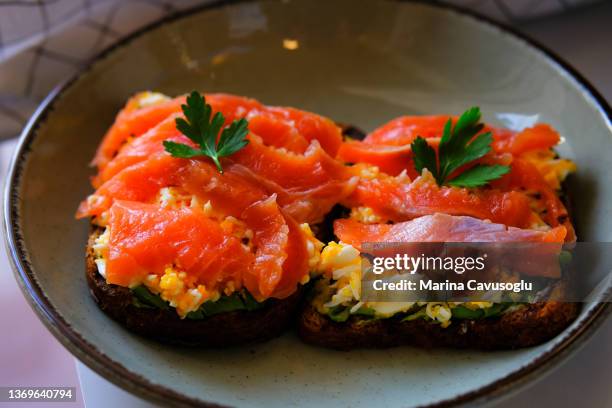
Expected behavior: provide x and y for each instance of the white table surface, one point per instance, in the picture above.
(31, 356)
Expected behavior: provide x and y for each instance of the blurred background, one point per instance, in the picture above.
(45, 42)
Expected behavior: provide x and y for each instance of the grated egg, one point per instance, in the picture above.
(343, 263)
(439, 312)
(313, 247)
(365, 215)
(554, 170)
(174, 287)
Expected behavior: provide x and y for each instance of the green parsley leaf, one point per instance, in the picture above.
(479, 176)
(424, 156)
(181, 150)
(459, 146)
(203, 130)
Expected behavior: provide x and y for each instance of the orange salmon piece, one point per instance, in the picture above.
(140, 182)
(441, 228)
(538, 137)
(141, 148)
(281, 257)
(312, 127)
(448, 228)
(399, 201)
(403, 130)
(308, 185)
(389, 159)
(199, 246)
(184, 237)
(524, 175)
(388, 147)
(278, 133)
(133, 121)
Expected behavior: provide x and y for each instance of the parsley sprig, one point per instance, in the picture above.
(203, 130)
(459, 147)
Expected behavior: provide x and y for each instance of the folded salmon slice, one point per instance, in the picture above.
(290, 128)
(525, 176)
(311, 126)
(134, 120)
(389, 159)
(308, 184)
(388, 147)
(441, 228)
(198, 245)
(447, 228)
(184, 237)
(141, 148)
(142, 182)
(403, 130)
(397, 200)
(538, 137)
(281, 257)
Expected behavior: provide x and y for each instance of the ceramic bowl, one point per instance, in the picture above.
(360, 64)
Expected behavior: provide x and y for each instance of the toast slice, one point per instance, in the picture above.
(527, 326)
(220, 330)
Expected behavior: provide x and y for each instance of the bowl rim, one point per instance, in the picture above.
(581, 329)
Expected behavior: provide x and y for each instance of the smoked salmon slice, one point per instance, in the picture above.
(525, 176)
(403, 130)
(388, 147)
(198, 245)
(281, 257)
(313, 179)
(142, 182)
(184, 237)
(290, 128)
(389, 159)
(396, 200)
(311, 182)
(139, 149)
(538, 137)
(132, 121)
(448, 228)
(440, 227)
(312, 127)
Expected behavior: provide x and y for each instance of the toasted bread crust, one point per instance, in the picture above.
(222, 330)
(528, 326)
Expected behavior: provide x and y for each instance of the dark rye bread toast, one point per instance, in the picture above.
(533, 324)
(221, 330)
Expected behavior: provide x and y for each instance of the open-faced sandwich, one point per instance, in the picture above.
(212, 216)
(442, 179)
(203, 242)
